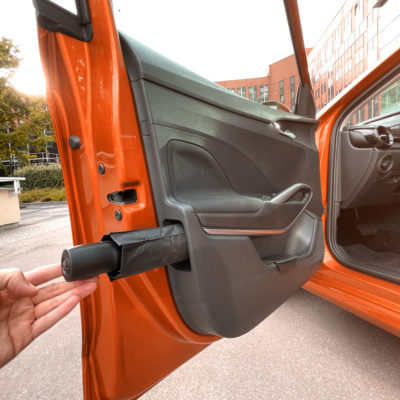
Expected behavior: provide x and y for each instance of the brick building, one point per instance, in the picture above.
(362, 32)
(280, 83)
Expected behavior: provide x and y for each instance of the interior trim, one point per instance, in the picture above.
(244, 232)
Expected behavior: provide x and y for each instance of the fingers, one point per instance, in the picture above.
(81, 290)
(44, 274)
(53, 315)
(47, 321)
(55, 289)
(16, 283)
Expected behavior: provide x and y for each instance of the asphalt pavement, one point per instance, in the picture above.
(308, 349)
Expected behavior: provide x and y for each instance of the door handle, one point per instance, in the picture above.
(291, 191)
(275, 216)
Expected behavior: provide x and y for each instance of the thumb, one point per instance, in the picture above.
(15, 282)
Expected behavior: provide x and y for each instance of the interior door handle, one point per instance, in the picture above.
(291, 191)
(275, 216)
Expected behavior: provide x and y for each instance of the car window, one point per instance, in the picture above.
(235, 44)
(381, 108)
(69, 5)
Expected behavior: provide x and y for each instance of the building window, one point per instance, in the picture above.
(292, 93)
(360, 115)
(242, 91)
(253, 93)
(359, 55)
(329, 48)
(323, 88)
(330, 91)
(338, 74)
(390, 99)
(359, 11)
(232, 90)
(317, 94)
(347, 25)
(264, 95)
(347, 66)
(281, 92)
(373, 108)
(338, 37)
(372, 51)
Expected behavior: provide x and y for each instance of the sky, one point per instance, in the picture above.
(218, 39)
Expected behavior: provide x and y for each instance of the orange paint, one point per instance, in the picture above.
(373, 299)
(132, 333)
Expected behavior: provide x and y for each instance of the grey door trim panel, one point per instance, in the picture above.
(225, 147)
(280, 199)
(253, 232)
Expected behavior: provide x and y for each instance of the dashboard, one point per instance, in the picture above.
(370, 163)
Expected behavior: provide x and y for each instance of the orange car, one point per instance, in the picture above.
(163, 167)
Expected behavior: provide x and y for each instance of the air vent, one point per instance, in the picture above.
(386, 164)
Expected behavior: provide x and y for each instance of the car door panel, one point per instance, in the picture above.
(214, 166)
(135, 316)
(198, 156)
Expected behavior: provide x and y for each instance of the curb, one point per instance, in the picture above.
(42, 203)
(9, 227)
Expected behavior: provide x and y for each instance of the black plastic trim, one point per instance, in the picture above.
(144, 63)
(54, 18)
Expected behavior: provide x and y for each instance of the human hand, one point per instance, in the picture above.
(27, 311)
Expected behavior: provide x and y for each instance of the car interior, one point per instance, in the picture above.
(365, 185)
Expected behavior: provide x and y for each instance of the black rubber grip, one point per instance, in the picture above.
(89, 260)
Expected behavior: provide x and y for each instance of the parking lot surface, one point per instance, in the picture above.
(308, 349)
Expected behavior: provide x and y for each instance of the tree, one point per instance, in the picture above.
(36, 124)
(9, 59)
(11, 104)
(25, 122)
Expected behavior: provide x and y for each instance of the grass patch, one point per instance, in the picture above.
(46, 194)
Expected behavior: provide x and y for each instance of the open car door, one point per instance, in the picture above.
(147, 143)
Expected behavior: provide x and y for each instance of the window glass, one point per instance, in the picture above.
(384, 103)
(282, 92)
(292, 93)
(202, 38)
(338, 74)
(253, 93)
(264, 96)
(347, 26)
(67, 4)
(241, 91)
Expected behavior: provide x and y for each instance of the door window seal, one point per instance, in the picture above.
(54, 18)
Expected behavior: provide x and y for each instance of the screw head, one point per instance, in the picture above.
(118, 215)
(101, 168)
(74, 142)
